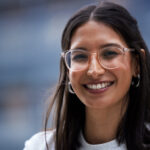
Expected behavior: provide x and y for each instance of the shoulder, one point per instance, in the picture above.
(38, 142)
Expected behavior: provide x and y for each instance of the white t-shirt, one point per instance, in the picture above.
(37, 142)
(111, 145)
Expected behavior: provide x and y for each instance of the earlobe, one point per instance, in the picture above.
(143, 52)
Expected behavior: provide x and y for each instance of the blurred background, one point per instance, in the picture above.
(30, 36)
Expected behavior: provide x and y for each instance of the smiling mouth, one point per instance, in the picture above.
(98, 86)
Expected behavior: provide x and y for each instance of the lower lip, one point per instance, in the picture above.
(98, 91)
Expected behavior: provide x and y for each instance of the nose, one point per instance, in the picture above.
(95, 69)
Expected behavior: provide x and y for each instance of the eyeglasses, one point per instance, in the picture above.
(109, 57)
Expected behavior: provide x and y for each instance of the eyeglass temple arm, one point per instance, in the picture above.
(129, 49)
(62, 54)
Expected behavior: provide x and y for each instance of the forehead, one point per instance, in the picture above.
(94, 32)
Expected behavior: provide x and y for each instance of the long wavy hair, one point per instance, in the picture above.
(70, 112)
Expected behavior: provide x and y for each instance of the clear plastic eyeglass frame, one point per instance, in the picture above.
(65, 54)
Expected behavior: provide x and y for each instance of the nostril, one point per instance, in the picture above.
(95, 69)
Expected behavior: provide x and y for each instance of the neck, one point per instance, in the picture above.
(101, 125)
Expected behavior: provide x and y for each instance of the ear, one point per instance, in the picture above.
(143, 52)
(135, 64)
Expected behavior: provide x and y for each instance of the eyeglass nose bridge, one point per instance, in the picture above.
(95, 54)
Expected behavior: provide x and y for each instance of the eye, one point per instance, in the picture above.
(110, 53)
(79, 57)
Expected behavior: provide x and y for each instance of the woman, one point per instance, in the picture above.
(102, 97)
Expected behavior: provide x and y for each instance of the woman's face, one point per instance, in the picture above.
(95, 86)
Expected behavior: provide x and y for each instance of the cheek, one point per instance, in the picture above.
(124, 74)
(127, 66)
(76, 79)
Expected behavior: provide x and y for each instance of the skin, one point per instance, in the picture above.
(104, 110)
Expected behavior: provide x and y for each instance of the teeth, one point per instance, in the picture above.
(98, 86)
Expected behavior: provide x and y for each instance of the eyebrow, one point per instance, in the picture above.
(109, 45)
(102, 46)
(81, 48)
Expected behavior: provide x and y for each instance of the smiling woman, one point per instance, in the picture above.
(101, 87)
(102, 97)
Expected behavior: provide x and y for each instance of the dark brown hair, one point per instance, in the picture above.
(70, 112)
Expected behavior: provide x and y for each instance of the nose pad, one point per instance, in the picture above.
(95, 69)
